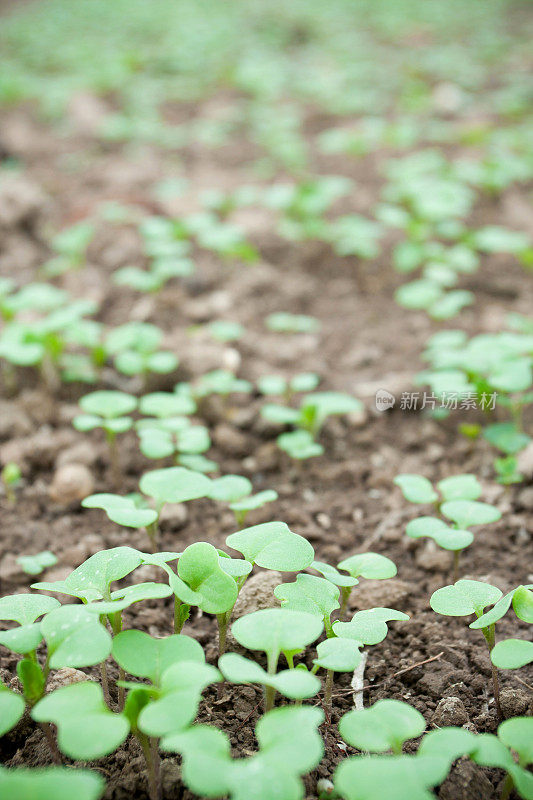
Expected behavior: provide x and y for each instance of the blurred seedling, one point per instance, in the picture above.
(70, 246)
(110, 411)
(284, 322)
(290, 745)
(51, 783)
(315, 408)
(276, 385)
(456, 499)
(236, 490)
(466, 597)
(134, 347)
(167, 485)
(304, 204)
(11, 478)
(34, 565)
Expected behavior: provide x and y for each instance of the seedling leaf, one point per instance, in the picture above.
(272, 545)
(416, 488)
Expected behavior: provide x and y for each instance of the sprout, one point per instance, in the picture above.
(283, 322)
(314, 595)
(276, 631)
(296, 684)
(457, 501)
(385, 726)
(102, 730)
(225, 331)
(202, 581)
(290, 746)
(272, 545)
(467, 597)
(241, 508)
(11, 477)
(398, 777)
(315, 408)
(51, 783)
(277, 385)
(371, 566)
(34, 565)
(124, 511)
(135, 347)
(222, 382)
(110, 411)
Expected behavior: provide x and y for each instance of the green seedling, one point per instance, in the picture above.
(241, 508)
(369, 627)
(176, 669)
(385, 726)
(222, 382)
(277, 385)
(51, 783)
(35, 296)
(166, 404)
(314, 595)
(11, 478)
(456, 499)
(173, 485)
(169, 485)
(175, 436)
(34, 565)
(71, 247)
(354, 235)
(236, 491)
(466, 597)
(371, 566)
(12, 707)
(110, 411)
(296, 684)
(135, 350)
(512, 654)
(489, 750)
(398, 777)
(299, 445)
(272, 545)
(102, 730)
(124, 511)
(283, 322)
(275, 631)
(225, 331)
(202, 581)
(289, 747)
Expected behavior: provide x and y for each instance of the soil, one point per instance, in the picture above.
(343, 502)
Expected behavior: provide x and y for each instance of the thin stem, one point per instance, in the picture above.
(121, 690)
(345, 596)
(507, 788)
(490, 636)
(222, 620)
(114, 458)
(52, 744)
(105, 684)
(456, 557)
(270, 692)
(329, 688)
(151, 756)
(153, 534)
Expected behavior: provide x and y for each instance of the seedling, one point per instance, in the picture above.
(457, 500)
(176, 669)
(71, 246)
(135, 348)
(221, 382)
(273, 545)
(277, 385)
(276, 631)
(202, 581)
(314, 595)
(371, 566)
(296, 684)
(384, 726)
(11, 478)
(34, 565)
(110, 411)
(289, 747)
(283, 322)
(51, 783)
(102, 730)
(173, 485)
(226, 331)
(399, 777)
(467, 597)
(241, 508)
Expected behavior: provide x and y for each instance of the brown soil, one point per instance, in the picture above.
(343, 502)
